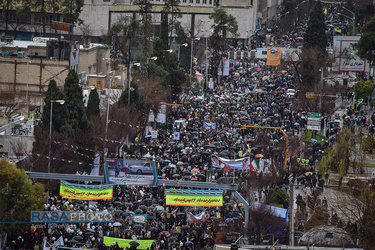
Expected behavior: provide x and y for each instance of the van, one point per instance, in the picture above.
(180, 124)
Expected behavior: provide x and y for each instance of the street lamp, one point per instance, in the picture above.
(178, 54)
(351, 18)
(152, 58)
(27, 89)
(50, 131)
(191, 53)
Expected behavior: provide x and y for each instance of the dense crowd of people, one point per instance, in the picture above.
(250, 96)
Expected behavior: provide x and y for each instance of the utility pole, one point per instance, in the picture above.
(291, 216)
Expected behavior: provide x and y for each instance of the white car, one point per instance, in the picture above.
(141, 169)
(290, 93)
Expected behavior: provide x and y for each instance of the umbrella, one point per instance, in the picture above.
(214, 218)
(128, 231)
(89, 233)
(136, 202)
(176, 232)
(129, 204)
(153, 229)
(187, 172)
(189, 243)
(143, 207)
(175, 175)
(308, 173)
(73, 242)
(228, 220)
(134, 243)
(164, 232)
(91, 230)
(150, 218)
(185, 226)
(174, 243)
(119, 220)
(117, 224)
(138, 226)
(77, 238)
(138, 211)
(159, 208)
(223, 225)
(259, 155)
(118, 211)
(172, 238)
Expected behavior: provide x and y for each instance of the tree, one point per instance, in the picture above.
(145, 10)
(315, 35)
(337, 157)
(136, 100)
(224, 27)
(93, 104)
(76, 119)
(60, 112)
(366, 44)
(71, 9)
(171, 6)
(18, 197)
(363, 89)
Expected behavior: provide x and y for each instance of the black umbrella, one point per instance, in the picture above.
(150, 217)
(89, 233)
(91, 230)
(177, 232)
(138, 211)
(185, 226)
(124, 214)
(77, 238)
(119, 211)
(186, 172)
(172, 238)
(153, 229)
(138, 226)
(174, 243)
(134, 243)
(136, 202)
(128, 204)
(73, 242)
(128, 231)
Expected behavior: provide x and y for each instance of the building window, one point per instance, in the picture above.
(190, 1)
(89, 69)
(184, 1)
(210, 2)
(106, 1)
(204, 1)
(251, 2)
(198, 1)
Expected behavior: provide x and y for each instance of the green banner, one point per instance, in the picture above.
(139, 218)
(124, 243)
(194, 198)
(85, 192)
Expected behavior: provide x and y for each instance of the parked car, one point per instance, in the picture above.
(144, 168)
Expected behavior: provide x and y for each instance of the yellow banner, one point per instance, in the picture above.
(274, 56)
(194, 198)
(86, 192)
(124, 243)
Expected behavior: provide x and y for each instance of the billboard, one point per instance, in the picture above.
(85, 192)
(274, 56)
(347, 55)
(130, 172)
(194, 198)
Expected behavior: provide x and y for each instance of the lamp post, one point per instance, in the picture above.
(152, 58)
(50, 131)
(351, 18)
(178, 54)
(191, 54)
(27, 89)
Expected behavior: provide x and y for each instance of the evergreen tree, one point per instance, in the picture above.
(77, 118)
(60, 113)
(93, 104)
(136, 100)
(315, 35)
(366, 44)
(71, 9)
(224, 26)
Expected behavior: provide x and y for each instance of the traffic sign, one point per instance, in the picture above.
(310, 95)
(314, 121)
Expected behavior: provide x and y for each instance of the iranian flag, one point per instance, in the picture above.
(254, 165)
